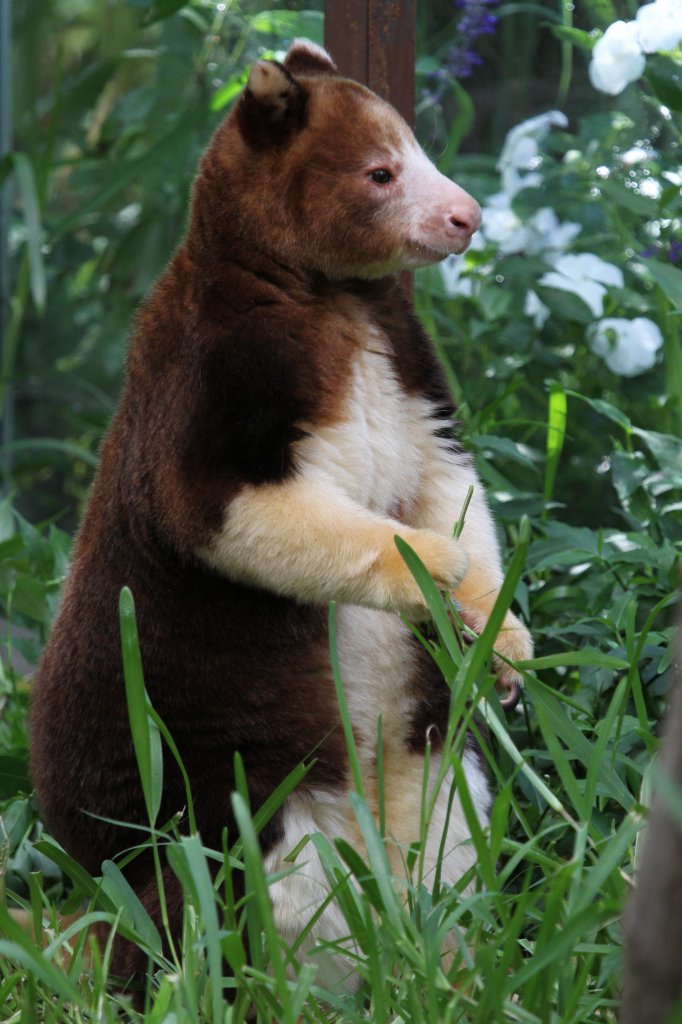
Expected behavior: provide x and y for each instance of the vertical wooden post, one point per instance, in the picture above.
(372, 41)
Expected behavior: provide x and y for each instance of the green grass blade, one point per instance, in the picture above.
(346, 723)
(170, 743)
(570, 659)
(145, 733)
(433, 598)
(561, 761)
(575, 741)
(378, 859)
(506, 742)
(21, 948)
(125, 899)
(261, 919)
(23, 170)
(556, 432)
(197, 879)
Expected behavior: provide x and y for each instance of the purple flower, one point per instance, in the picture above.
(461, 59)
(475, 21)
(675, 252)
(460, 62)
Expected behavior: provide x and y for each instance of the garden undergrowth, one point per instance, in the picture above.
(533, 931)
(582, 466)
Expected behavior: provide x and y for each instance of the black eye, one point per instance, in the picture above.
(381, 176)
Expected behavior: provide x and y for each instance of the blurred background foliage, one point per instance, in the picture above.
(113, 104)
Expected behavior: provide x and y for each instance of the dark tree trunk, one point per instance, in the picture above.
(372, 41)
(653, 920)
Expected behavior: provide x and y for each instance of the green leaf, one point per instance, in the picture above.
(606, 409)
(665, 448)
(575, 741)
(124, 897)
(228, 91)
(565, 305)
(432, 597)
(160, 9)
(556, 432)
(606, 732)
(378, 859)
(665, 77)
(291, 24)
(560, 946)
(23, 950)
(259, 907)
(23, 170)
(14, 776)
(145, 733)
(343, 705)
(47, 444)
(29, 598)
(583, 40)
(89, 886)
(197, 879)
(567, 659)
(669, 280)
(627, 199)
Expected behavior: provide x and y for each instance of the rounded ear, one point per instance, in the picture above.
(271, 85)
(307, 58)
(272, 106)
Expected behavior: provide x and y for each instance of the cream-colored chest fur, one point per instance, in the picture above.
(372, 452)
(381, 454)
(375, 454)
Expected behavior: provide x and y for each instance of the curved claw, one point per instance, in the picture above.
(513, 689)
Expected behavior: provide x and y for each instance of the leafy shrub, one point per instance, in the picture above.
(581, 236)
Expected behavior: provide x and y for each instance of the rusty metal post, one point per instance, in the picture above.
(372, 41)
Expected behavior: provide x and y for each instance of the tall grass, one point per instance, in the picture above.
(115, 103)
(533, 929)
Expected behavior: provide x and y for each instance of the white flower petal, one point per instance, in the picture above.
(503, 227)
(648, 334)
(628, 347)
(584, 266)
(535, 309)
(520, 150)
(659, 25)
(592, 294)
(617, 58)
(589, 291)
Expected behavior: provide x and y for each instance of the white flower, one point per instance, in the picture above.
(637, 155)
(541, 233)
(585, 275)
(451, 272)
(659, 25)
(546, 234)
(651, 188)
(628, 347)
(502, 226)
(674, 177)
(520, 151)
(617, 58)
(535, 309)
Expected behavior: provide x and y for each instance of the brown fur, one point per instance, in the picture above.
(248, 337)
